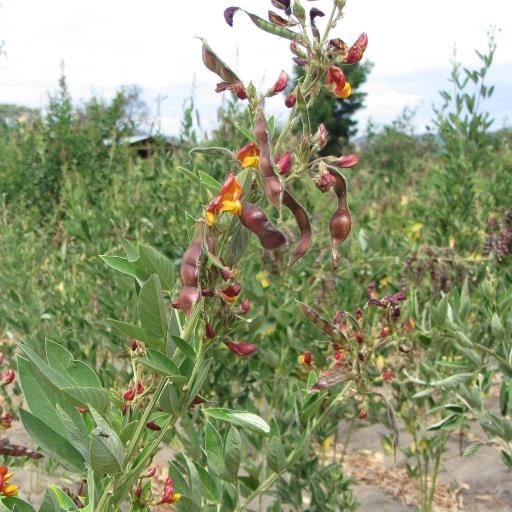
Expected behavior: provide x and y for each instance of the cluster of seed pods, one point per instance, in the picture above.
(274, 171)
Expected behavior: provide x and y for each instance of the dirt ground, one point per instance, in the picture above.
(479, 483)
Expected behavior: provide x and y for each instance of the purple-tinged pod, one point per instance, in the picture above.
(255, 220)
(189, 274)
(341, 220)
(302, 219)
(271, 182)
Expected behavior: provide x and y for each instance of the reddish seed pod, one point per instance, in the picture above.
(271, 182)
(256, 221)
(190, 274)
(153, 426)
(302, 219)
(341, 220)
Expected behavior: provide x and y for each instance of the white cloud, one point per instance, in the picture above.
(107, 44)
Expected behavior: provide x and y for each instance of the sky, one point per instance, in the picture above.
(105, 44)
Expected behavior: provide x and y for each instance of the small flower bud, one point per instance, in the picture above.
(82, 410)
(305, 359)
(290, 100)
(207, 292)
(321, 135)
(385, 331)
(359, 337)
(209, 331)
(129, 395)
(175, 304)
(245, 307)
(284, 163)
(153, 426)
(387, 375)
(140, 387)
(226, 273)
(409, 325)
(359, 314)
(8, 376)
(6, 420)
(134, 345)
(241, 349)
(300, 61)
(362, 414)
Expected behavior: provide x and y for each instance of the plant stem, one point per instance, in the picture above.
(269, 481)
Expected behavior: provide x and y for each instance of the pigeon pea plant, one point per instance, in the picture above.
(109, 437)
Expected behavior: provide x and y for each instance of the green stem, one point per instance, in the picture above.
(270, 480)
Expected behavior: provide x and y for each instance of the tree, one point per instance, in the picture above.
(338, 114)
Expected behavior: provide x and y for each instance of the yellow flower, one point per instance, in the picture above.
(345, 92)
(228, 200)
(5, 488)
(263, 279)
(249, 156)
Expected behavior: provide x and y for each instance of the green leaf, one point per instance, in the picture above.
(471, 449)
(232, 448)
(17, 504)
(39, 394)
(209, 181)
(241, 418)
(452, 380)
(154, 262)
(449, 422)
(276, 458)
(214, 450)
(88, 396)
(134, 331)
(170, 400)
(120, 264)
(247, 133)
(131, 250)
(209, 486)
(53, 443)
(151, 307)
(106, 451)
(185, 347)
(162, 365)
